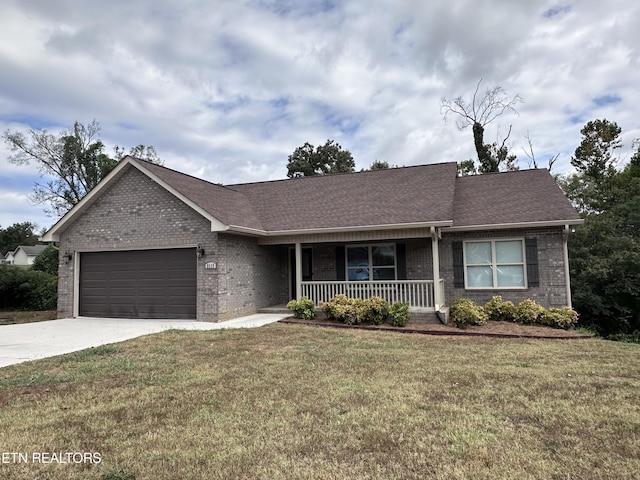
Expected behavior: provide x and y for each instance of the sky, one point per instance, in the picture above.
(226, 90)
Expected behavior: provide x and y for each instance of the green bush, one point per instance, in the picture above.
(399, 313)
(499, 310)
(528, 312)
(564, 317)
(47, 261)
(625, 337)
(303, 308)
(353, 311)
(465, 312)
(27, 289)
(336, 308)
(377, 310)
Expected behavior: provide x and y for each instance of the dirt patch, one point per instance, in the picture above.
(12, 317)
(491, 329)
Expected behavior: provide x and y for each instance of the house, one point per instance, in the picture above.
(8, 259)
(150, 242)
(23, 255)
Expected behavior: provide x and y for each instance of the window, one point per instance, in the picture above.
(494, 264)
(371, 262)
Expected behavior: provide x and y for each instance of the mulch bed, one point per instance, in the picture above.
(491, 329)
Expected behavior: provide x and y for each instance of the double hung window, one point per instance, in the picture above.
(495, 264)
(371, 262)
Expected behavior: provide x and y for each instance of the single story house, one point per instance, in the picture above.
(23, 255)
(151, 242)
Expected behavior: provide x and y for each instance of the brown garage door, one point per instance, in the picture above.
(138, 284)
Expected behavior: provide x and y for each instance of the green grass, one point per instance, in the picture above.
(288, 401)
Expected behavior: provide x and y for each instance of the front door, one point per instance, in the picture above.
(307, 268)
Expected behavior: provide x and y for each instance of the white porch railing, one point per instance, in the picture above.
(417, 293)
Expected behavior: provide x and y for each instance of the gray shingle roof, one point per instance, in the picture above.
(384, 197)
(427, 195)
(511, 197)
(32, 249)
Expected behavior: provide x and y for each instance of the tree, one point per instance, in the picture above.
(71, 163)
(17, 234)
(478, 113)
(604, 252)
(379, 165)
(594, 155)
(327, 159)
(47, 261)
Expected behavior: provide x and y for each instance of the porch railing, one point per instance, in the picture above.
(417, 293)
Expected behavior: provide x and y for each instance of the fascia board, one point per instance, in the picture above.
(359, 228)
(504, 226)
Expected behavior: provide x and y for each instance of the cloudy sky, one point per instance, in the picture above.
(227, 89)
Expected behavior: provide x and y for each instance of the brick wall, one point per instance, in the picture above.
(250, 276)
(136, 213)
(552, 290)
(419, 259)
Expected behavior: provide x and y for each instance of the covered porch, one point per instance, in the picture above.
(399, 266)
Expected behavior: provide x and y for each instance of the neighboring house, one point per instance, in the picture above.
(150, 242)
(8, 259)
(24, 255)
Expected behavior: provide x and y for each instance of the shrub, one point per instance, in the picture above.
(377, 310)
(499, 310)
(465, 312)
(336, 308)
(564, 317)
(303, 308)
(47, 261)
(528, 312)
(399, 313)
(26, 289)
(353, 311)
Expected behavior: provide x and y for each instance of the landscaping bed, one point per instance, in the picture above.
(490, 329)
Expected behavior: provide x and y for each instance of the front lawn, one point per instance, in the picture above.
(19, 316)
(289, 401)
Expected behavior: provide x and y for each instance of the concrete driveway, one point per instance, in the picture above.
(31, 341)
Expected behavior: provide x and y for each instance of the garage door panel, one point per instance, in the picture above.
(139, 284)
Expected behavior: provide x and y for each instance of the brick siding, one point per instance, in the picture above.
(552, 291)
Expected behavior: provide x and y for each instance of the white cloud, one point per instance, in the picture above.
(228, 89)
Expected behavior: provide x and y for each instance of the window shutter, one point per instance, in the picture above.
(401, 261)
(458, 265)
(340, 270)
(533, 275)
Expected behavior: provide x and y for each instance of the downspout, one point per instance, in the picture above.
(565, 245)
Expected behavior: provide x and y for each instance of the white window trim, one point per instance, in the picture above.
(370, 247)
(494, 265)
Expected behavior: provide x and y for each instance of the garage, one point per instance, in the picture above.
(138, 284)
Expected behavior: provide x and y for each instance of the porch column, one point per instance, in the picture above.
(436, 267)
(298, 270)
(567, 279)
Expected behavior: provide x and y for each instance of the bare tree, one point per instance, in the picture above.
(478, 113)
(532, 157)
